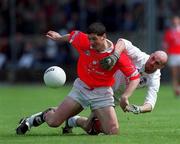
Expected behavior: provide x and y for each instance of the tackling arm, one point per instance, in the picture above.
(150, 99)
(128, 92)
(108, 62)
(57, 37)
(119, 47)
(146, 107)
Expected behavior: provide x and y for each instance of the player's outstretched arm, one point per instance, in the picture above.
(139, 109)
(108, 62)
(127, 93)
(57, 37)
(133, 108)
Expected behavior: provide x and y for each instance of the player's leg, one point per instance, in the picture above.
(173, 63)
(69, 124)
(71, 106)
(53, 117)
(89, 124)
(105, 122)
(101, 120)
(34, 120)
(102, 105)
(68, 108)
(174, 71)
(101, 102)
(108, 120)
(85, 123)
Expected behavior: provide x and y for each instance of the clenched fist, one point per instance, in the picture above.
(53, 35)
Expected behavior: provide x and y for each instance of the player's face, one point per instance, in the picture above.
(154, 62)
(97, 42)
(176, 21)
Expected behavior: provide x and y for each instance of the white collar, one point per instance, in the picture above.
(110, 49)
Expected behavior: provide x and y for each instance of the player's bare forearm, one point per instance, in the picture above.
(130, 88)
(146, 108)
(138, 109)
(109, 62)
(127, 93)
(57, 37)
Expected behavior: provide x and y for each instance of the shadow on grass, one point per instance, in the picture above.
(43, 135)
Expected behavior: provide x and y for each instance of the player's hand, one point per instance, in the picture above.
(133, 108)
(53, 35)
(123, 103)
(108, 63)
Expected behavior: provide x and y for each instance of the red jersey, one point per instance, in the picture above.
(172, 40)
(89, 69)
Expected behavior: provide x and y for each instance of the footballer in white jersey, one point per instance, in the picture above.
(151, 81)
(149, 67)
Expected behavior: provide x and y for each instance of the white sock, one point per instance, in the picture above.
(31, 118)
(72, 121)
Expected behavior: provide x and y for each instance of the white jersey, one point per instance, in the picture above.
(151, 81)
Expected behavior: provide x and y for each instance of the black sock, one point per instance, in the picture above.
(40, 119)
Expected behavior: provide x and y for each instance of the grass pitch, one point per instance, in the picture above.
(162, 126)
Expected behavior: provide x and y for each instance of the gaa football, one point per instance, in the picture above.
(54, 77)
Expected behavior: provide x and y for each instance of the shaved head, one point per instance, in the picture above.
(162, 56)
(157, 60)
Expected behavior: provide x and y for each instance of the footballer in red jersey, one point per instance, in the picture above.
(172, 47)
(92, 88)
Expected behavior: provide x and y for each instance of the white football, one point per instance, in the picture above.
(54, 77)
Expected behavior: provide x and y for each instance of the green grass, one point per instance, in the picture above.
(162, 126)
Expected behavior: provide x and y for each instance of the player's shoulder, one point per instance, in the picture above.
(125, 40)
(79, 40)
(77, 33)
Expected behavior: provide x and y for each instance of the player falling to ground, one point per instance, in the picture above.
(92, 88)
(149, 67)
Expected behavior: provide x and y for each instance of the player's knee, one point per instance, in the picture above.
(52, 122)
(114, 130)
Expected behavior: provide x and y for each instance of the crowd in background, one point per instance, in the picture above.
(35, 17)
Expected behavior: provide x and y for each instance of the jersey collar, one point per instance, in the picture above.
(110, 49)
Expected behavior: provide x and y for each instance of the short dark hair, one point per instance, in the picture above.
(96, 28)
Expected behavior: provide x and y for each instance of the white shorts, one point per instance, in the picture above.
(120, 81)
(174, 60)
(95, 98)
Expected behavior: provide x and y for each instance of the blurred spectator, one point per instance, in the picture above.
(92, 8)
(65, 53)
(121, 10)
(174, 6)
(129, 24)
(172, 47)
(109, 15)
(161, 15)
(27, 58)
(55, 54)
(51, 50)
(19, 40)
(3, 52)
(4, 20)
(138, 13)
(36, 17)
(2, 60)
(27, 11)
